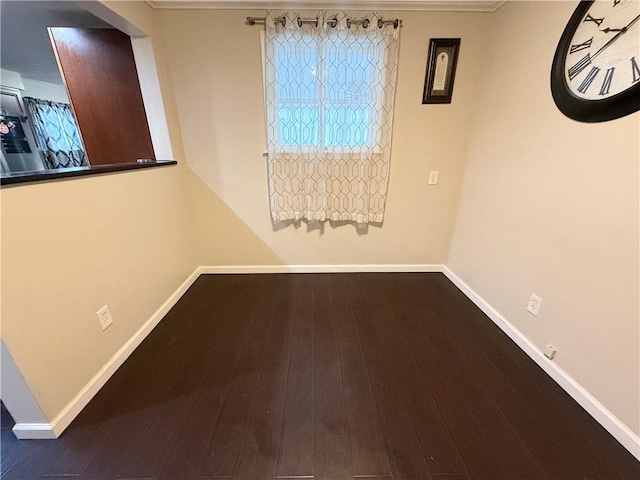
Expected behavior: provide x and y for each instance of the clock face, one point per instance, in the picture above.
(603, 57)
(596, 71)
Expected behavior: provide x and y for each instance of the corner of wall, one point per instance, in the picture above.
(128, 243)
(627, 438)
(536, 215)
(15, 392)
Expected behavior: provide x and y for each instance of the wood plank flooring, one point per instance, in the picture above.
(328, 377)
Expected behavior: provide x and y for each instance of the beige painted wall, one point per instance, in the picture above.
(545, 208)
(550, 206)
(69, 247)
(216, 71)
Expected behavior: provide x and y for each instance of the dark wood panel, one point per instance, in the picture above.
(151, 393)
(21, 464)
(332, 448)
(324, 332)
(368, 335)
(11, 451)
(510, 452)
(143, 454)
(296, 453)
(473, 447)
(188, 448)
(79, 446)
(99, 72)
(451, 477)
(132, 423)
(405, 456)
(260, 450)
(438, 446)
(7, 421)
(229, 316)
(150, 452)
(545, 449)
(477, 454)
(225, 447)
(560, 415)
(367, 441)
(118, 426)
(385, 376)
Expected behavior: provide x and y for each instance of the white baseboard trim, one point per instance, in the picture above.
(75, 406)
(54, 429)
(34, 431)
(231, 269)
(599, 412)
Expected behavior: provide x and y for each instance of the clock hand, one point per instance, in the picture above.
(622, 31)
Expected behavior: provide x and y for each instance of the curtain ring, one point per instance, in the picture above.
(348, 23)
(365, 23)
(396, 23)
(283, 21)
(299, 22)
(332, 22)
(380, 25)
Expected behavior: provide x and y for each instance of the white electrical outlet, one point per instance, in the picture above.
(549, 351)
(533, 306)
(433, 177)
(104, 317)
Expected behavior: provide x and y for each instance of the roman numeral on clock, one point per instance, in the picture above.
(588, 79)
(580, 46)
(597, 21)
(607, 81)
(635, 70)
(578, 67)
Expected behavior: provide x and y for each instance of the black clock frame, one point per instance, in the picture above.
(591, 111)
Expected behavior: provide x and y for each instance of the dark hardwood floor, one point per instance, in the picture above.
(334, 376)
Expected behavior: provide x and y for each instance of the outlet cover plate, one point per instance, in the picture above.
(533, 307)
(549, 351)
(104, 317)
(433, 177)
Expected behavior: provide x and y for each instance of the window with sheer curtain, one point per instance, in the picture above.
(329, 91)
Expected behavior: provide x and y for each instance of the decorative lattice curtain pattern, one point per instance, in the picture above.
(56, 133)
(329, 92)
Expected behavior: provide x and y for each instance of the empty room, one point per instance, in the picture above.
(367, 239)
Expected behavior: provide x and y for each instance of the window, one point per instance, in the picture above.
(329, 93)
(325, 96)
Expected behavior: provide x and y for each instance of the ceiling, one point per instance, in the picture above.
(25, 46)
(379, 5)
(24, 42)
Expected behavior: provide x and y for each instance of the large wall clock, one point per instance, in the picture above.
(595, 74)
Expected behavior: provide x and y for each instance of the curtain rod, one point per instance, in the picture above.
(332, 22)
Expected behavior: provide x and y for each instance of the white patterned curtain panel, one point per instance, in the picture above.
(329, 91)
(56, 133)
